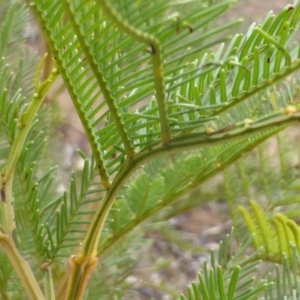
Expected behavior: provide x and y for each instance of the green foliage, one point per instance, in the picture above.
(233, 284)
(228, 278)
(167, 100)
(271, 243)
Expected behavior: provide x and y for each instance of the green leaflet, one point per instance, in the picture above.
(271, 241)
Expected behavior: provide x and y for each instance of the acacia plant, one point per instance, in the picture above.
(167, 100)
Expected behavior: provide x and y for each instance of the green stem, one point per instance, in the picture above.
(4, 293)
(264, 168)
(281, 155)
(189, 142)
(48, 282)
(157, 63)
(7, 175)
(243, 176)
(82, 269)
(22, 268)
(203, 176)
(74, 96)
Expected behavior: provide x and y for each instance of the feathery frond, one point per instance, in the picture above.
(148, 79)
(126, 85)
(228, 277)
